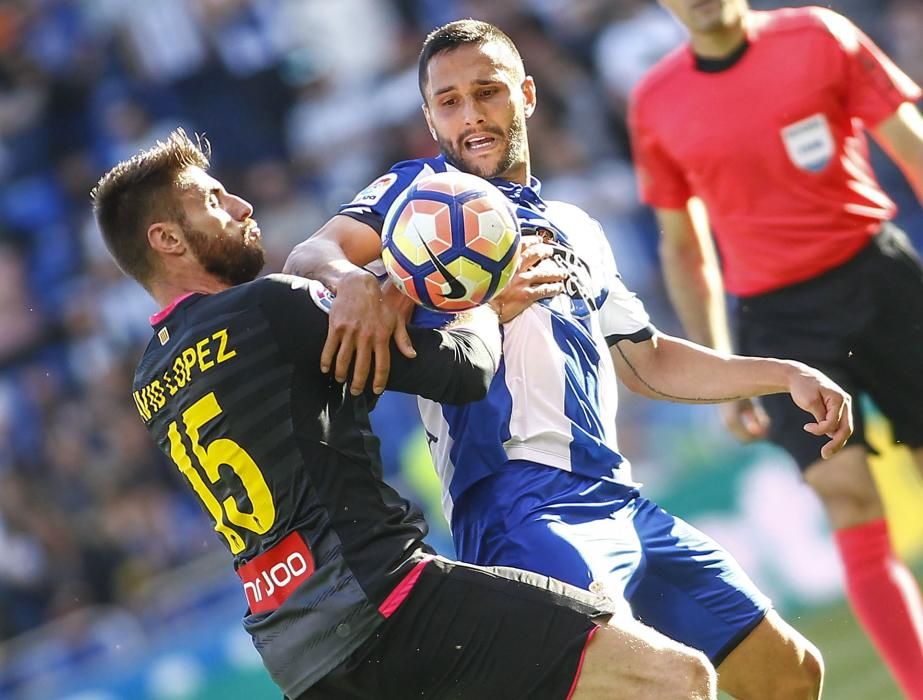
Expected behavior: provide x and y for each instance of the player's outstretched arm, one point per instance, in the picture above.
(363, 318)
(694, 283)
(673, 369)
(831, 407)
(454, 365)
(901, 135)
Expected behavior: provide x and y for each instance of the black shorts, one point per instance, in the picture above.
(473, 632)
(861, 324)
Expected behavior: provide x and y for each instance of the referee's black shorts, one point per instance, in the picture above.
(473, 633)
(861, 324)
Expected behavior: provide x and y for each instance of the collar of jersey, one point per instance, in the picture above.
(524, 195)
(516, 193)
(162, 315)
(716, 65)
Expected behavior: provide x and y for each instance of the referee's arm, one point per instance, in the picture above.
(673, 369)
(901, 136)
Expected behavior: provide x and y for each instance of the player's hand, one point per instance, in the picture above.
(538, 276)
(830, 406)
(363, 319)
(400, 307)
(745, 419)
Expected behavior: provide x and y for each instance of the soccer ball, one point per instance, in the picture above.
(450, 241)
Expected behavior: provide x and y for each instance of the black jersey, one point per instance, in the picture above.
(284, 461)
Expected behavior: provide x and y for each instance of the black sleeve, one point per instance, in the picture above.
(640, 336)
(452, 366)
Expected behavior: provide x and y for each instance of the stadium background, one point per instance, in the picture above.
(111, 584)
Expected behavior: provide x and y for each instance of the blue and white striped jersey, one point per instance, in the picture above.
(553, 400)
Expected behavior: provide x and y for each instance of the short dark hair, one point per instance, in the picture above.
(460, 33)
(141, 191)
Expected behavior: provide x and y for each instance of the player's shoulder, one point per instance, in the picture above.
(406, 172)
(397, 179)
(238, 298)
(275, 296)
(662, 74)
(281, 292)
(430, 163)
(580, 228)
(565, 211)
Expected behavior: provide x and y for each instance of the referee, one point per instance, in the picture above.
(762, 117)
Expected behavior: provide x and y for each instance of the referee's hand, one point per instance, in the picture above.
(745, 419)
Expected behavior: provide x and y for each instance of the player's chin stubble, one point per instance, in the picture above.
(511, 156)
(229, 258)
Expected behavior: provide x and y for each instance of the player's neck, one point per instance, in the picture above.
(719, 43)
(520, 173)
(166, 290)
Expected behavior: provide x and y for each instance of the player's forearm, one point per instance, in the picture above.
(336, 253)
(484, 323)
(325, 261)
(455, 365)
(673, 369)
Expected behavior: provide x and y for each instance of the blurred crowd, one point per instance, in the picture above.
(304, 102)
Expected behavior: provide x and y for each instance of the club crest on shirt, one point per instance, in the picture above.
(809, 143)
(320, 295)
(375, 191)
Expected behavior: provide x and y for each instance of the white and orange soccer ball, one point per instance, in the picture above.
(451, 241)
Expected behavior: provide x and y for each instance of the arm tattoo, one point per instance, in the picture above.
(671, 397)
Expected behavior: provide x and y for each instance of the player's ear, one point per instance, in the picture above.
(429, 123)
(166, 237)
(528, 92)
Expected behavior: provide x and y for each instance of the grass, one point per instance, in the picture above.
(854, 671)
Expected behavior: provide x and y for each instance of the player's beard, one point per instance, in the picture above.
(232, 258)
(514, 154)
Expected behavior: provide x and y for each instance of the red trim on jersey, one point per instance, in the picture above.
(270, 578)
(573, 686)
(168, 309)
(396, 597)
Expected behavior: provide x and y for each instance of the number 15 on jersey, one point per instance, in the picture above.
(229, 519)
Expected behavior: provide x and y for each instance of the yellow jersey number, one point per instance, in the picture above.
(222, 451)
